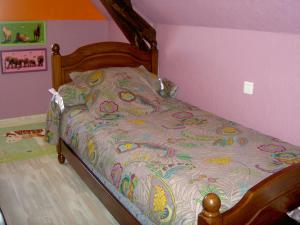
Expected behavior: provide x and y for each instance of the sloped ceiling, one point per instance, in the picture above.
(100, 8)
(262, 15)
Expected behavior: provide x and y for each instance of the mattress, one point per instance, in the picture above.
(161, 165)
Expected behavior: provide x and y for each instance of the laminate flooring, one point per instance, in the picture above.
(40, 191)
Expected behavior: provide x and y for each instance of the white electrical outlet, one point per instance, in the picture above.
(248, 87)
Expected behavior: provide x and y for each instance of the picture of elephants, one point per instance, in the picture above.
(25, 60)
(22, 33)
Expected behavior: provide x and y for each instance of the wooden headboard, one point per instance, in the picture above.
(99, 55)
(142, 49)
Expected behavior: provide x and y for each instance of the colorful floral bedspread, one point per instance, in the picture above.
(166, 162)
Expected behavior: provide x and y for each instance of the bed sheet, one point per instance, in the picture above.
(166, 162)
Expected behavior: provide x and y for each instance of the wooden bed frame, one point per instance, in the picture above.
(265, 203)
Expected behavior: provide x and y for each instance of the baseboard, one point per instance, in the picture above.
(22, 120)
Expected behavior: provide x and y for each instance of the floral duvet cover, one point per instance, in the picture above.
(166, 162)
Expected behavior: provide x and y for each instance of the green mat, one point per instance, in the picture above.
(23, 142)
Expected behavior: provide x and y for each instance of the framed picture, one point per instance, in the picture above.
(25, 60)
(22, 33)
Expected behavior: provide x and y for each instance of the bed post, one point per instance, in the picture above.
(154, 60)
(56, 66)
(210, 214)
(56, 82)
(60, 157)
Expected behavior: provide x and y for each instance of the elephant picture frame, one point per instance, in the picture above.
(23, 60)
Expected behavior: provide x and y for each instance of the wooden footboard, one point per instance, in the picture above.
(265, 203)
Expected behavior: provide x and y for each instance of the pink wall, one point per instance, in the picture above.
(114, 33)
(27, 93)
(211, 64)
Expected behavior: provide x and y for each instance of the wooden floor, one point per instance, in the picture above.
(43, 192)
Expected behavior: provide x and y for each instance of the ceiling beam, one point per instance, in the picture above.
(137, 30)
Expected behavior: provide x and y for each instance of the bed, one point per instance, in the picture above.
(228, 174)
(265, 203)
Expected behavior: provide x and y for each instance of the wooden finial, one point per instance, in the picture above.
(210, 214)
(55, 49)
(211, 205)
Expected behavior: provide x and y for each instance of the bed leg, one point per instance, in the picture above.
(60, 156)
(210, 214)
